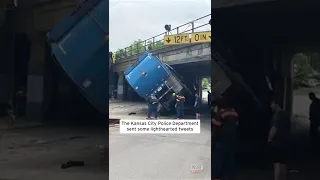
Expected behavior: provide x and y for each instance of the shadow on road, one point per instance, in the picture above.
(303, 164)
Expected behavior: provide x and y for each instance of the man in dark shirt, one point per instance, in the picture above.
(314, 117)
(224, 127)
(278, 139)
(197, 104)
(209, 98)
(180, 100)
(153, 104)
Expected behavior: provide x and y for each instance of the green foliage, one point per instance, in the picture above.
(302, 67)
(206, 83)
(157, 45)
(137, 47)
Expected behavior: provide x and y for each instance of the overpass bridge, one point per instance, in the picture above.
(190, 60)
(172, 55)
(23, 47)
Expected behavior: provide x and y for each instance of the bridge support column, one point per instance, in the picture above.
(284, 87)
(35, 81)
(7, 54)
(120, 89)
(288, 82)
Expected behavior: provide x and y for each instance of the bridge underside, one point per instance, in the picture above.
(194, 69)
(27, 63)
(290, 24)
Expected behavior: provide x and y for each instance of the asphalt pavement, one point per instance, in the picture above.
(169, 157)
(160, 156)
(38, 153)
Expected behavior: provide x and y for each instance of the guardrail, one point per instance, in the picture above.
(156, 42)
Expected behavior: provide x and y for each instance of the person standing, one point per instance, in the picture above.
(314, 117)
(197, 105)
(153, 104)
(114, 94)
(224, 126)
(278, 140)
(209, 98)
(180, 100)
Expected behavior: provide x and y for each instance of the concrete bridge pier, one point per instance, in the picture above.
(287, 75)
(6, 50)
(121, 85)
(284, 83)
(37, 79)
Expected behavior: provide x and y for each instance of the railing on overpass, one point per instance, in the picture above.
(156, 42)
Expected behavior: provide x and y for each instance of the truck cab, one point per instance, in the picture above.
(79, 45)
(149, 75)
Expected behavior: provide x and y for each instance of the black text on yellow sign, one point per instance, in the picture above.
(176, 39)
(201, 37)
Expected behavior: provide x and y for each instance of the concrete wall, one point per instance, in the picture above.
(35, 79)
(6, 62)
(36, 21)
(42, 17)
(121, 86)
(173, 55)
(46, 16)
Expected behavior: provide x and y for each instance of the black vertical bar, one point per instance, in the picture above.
(9, 26)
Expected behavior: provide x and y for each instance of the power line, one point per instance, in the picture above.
(114, 4)
(186, 28)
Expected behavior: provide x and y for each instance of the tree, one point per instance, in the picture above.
(135, 48)
(138, 47)
(315, 61)
(157, 44)
(120, 53)
(206, 83)
(302, 67)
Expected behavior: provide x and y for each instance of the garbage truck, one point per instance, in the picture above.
(149, 75)
(79, 44)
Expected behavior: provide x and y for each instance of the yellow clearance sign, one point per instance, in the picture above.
(201, 37)
(176, 39)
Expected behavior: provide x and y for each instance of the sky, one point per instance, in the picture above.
(131, 20)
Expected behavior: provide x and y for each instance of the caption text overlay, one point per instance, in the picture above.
(168, 126)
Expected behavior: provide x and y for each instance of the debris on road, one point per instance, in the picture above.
(114, 121)
(72, 164)
(39, 142)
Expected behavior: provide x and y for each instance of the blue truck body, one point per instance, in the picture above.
(79, 44)
(149, 75)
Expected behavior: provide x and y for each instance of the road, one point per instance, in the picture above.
(37, 153)
(304, 159)
(170, 156)
(160, 156)
(301, 105)
(121, 109)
